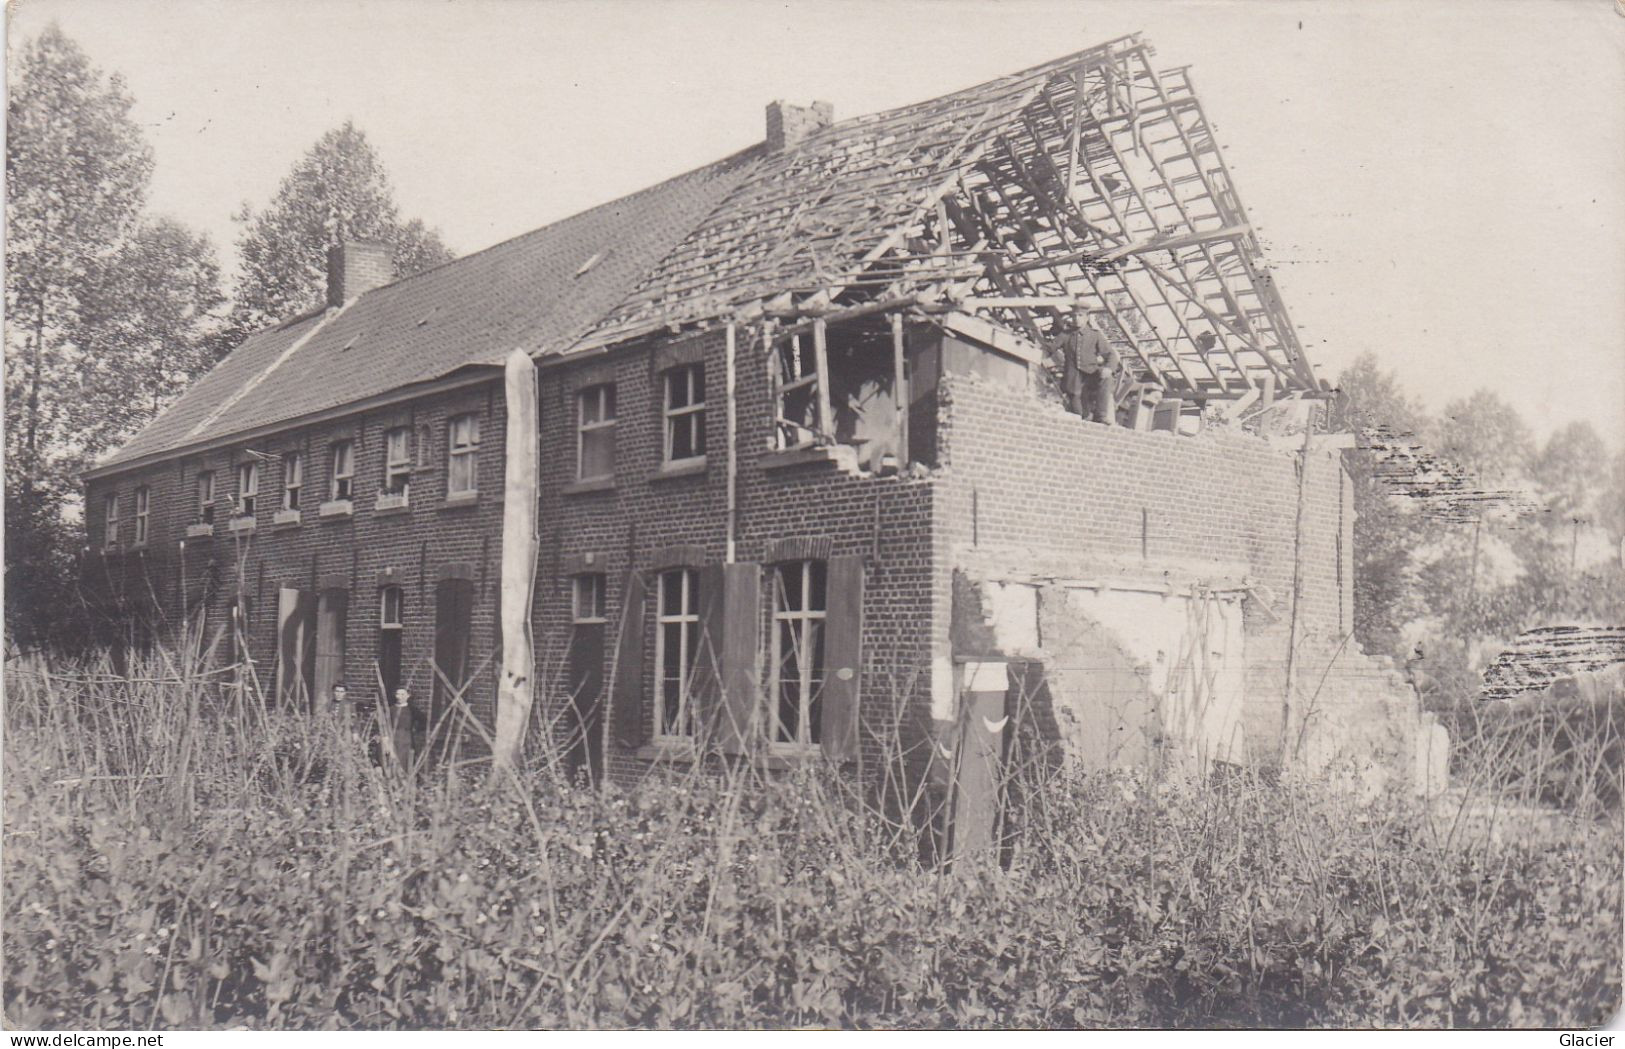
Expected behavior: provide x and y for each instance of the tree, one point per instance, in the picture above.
(1487, 437)
(1385, 531)
(107, 312)
(146, 331)
(76, 177)
(1571, 471)
(338, 191)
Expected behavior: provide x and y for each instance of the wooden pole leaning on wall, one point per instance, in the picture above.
(517, 687)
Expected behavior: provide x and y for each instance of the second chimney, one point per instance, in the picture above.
(355, 267)
(788, 125)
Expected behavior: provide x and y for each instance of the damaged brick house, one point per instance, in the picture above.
(802, 475)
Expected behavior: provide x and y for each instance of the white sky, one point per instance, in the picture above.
(1441, 181)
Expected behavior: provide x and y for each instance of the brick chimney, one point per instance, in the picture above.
(355, 267)
(788, 125)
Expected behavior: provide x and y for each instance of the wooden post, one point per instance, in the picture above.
(1297, 583)
(516, 689)
(900, 391)
(731, 352)
(826, 418)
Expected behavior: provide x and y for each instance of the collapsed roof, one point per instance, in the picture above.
(1092, 182)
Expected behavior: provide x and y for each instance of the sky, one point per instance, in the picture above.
(1440, 182)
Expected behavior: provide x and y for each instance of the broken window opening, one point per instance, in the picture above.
(839, 386)
(797, 420)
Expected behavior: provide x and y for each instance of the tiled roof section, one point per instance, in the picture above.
(540, 291)
(811, 216)
(249, 359)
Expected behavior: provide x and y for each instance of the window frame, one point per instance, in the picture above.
(598, 584)
(293, 479)
(817, 380)
(384, 620)
(110, 521)
(691, 414)
(397, 466)
(608, 415)
(458, 454)
(686, 624)
(207, 494)
(811, 672)
(248, 488)
(143, 507)
(344, 448)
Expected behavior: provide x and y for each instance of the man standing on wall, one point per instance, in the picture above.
(1089, 371)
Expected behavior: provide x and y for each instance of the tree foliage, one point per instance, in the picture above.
(108, 311)
(338, 191)
(1385, 531)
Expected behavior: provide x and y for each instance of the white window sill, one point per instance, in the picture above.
(387, 501)
(691, 467)
(462, 498)
(287, 517)
(110, 548)
(336, 508)
(241, 524)
(200, 530)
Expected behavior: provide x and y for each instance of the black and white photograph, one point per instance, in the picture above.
(917, 515)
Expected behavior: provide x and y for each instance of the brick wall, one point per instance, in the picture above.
(1024, 475)
(885, 520)
(414, 544)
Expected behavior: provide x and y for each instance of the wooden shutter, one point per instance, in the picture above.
(289, 645)
(843, 657)
(332, 611)
(453, 622)
(629, 697)
(307, 645)
(740, 691)
(586, 680)
(707, 686)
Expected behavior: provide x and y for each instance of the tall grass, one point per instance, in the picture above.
(180, 853)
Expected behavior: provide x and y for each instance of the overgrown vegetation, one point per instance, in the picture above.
(177, 855)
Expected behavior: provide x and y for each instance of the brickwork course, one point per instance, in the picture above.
(861, 232)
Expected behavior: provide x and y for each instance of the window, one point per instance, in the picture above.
(389, 609)
(462, 477)
(293, 478)
(205, 497)
(587, 598)
(685, 412)
(248, 487)
(343, 470)
(798, 650)
(796, 399)
(596, 447)
(397, 460)
(110, 520)
(677, 647)
(143, 502)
